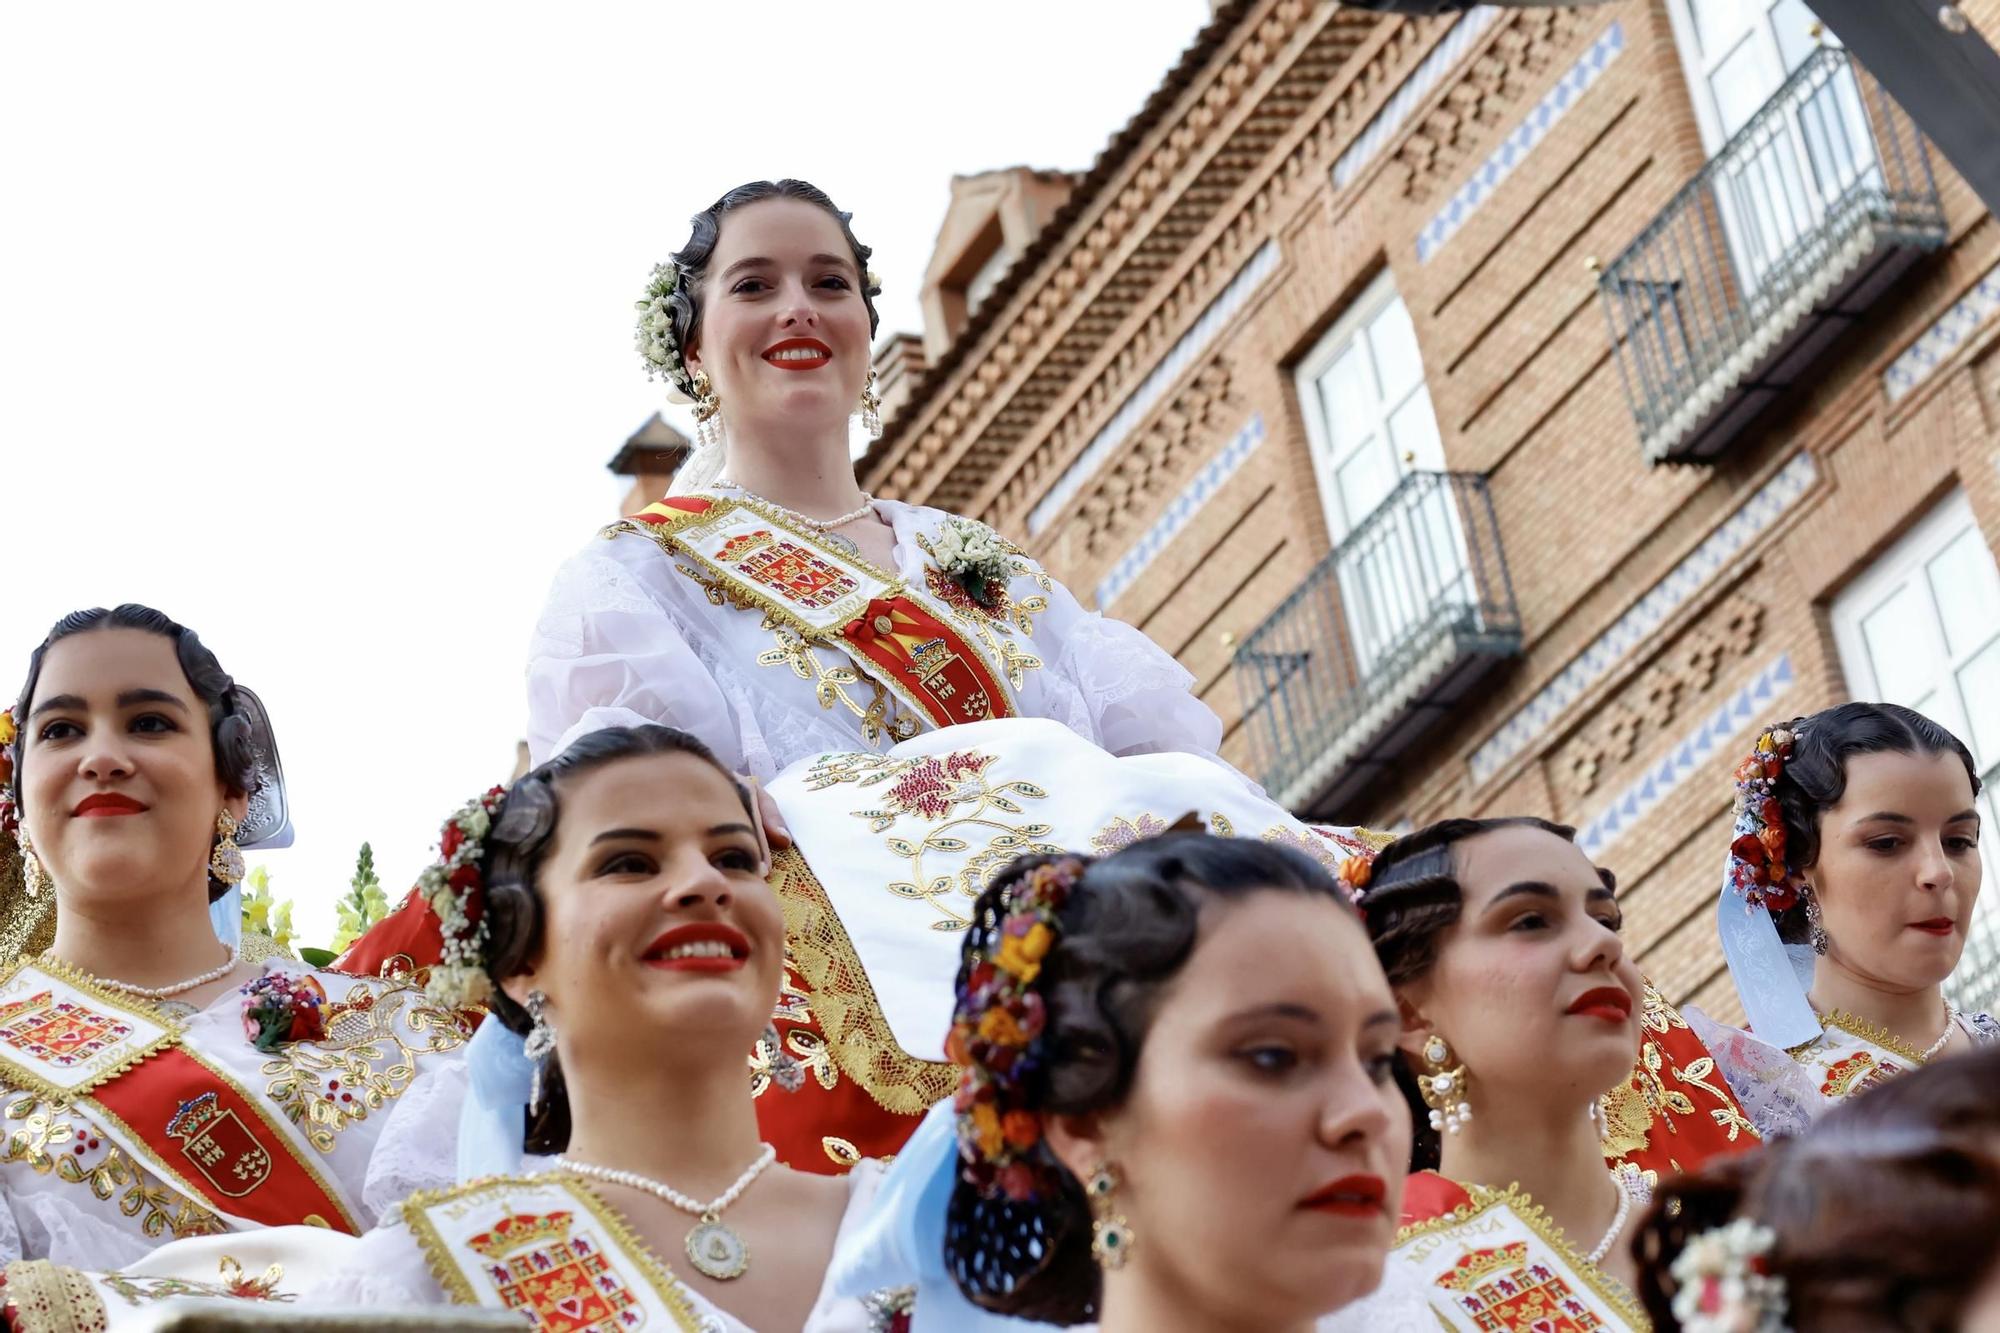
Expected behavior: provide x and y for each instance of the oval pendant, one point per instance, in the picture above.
(841, 542)
(716, 1251)
(178, 1010)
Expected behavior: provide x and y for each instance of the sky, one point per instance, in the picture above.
(316, 322)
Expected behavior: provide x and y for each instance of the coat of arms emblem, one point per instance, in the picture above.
(220, 1145)
(537, 1266)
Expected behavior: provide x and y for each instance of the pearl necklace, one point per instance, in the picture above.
(1617, 1221)
(823, 526)
(1950, 1026)
(714, 1249)
(177, 988)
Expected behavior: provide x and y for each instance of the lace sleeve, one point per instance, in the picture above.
(418, 1147)
(1141, 700)
(1399, 1305)
(384, 1269)
(1774, 1090)
(609, 651)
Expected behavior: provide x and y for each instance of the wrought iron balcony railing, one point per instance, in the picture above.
(1387, 633)
(1774, 249)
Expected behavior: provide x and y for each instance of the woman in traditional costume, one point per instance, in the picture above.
(155, 1083)
(1884, 1215)
(922, 701)
(1520, 1007)
(1176, 1107)
(1851, 884)
(612, 910)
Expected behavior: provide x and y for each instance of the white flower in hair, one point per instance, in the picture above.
(1722, 1284)
(658, 351)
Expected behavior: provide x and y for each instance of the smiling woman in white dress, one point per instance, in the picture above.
(146, 1096)
(612, 910)
(896, 675)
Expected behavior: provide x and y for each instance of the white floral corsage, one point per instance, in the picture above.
(658, 351)
(1723, 1282)
(974, 557)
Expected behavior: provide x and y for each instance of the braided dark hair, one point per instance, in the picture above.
(1127, 929)
(514, 849)
(229, 727)
(692, 258)
(1815, 778)
(1413, 897)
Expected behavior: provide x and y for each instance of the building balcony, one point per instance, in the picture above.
(1389, 633)
(1786, 237)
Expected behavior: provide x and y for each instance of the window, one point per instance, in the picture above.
(1368, 414)
(1781, 182)
(981, 284)
(1369, 423)
(1922, 628)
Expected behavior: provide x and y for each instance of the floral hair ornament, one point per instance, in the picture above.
(1723, 1282)
(455, 890)
(9, 817)
(1757, 866)
(995, 1039)
(659, 353)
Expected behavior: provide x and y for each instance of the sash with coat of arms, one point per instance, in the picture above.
(123, 1064)
(759, 560)
(547, 1248)
(1493, 1263)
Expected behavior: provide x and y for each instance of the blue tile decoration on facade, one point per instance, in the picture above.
(1191, 345)
(1182, 510)
(1515, 148)
(1936, 344)
(1750, 521)
(1730, 725)
(1384, 124)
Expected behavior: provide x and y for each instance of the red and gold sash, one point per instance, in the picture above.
(757, 559)
(124, 1065)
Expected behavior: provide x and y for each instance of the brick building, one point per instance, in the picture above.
(1506, 414)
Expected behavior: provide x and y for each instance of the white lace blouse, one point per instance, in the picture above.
(372, 1109)
(628, 638)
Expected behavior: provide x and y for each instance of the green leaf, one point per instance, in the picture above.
(317, 957)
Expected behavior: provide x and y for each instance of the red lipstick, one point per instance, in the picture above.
(102, 804)
(1350, 1196)
(700, 946)
(1937, 925)
(798, 354)
(1613, 1004)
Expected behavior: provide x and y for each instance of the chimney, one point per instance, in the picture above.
(650, 456)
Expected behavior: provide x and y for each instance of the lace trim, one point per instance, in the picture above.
(42, 1297)
(849, 1013)
(1869, 1032)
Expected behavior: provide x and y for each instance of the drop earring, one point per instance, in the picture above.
(1443, 1089)
(1110, 1233)
(871, 408)
(707, 410)
(225, 862)
(540, 1044)
(34, 875)
(1815, 927)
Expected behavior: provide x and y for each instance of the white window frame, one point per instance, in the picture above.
(1906, 560)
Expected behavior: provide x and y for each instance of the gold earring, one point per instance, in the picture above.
(1443, 1089)
(34, 875)
(1110, 1233)
(707, 410)
(226, 861)
(871, 408)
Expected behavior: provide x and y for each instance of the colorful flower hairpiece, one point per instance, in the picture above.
(1757, 866)
(1723, 1282)
(455, 890)
(9, 817)
(996, 1029)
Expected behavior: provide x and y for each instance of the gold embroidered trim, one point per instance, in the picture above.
(1607, 1288)
(44, 1297)
(158, 1208)
(1868, 1032)
(450, 1276)
(864, 1048)
(364, 1053)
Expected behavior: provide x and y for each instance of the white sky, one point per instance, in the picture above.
(315, 321)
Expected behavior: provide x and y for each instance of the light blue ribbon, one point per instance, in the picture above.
(491, 1122)
(226, 915)
(1771, 979)
(900, 1243)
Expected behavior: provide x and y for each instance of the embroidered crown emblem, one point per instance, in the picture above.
(1476, 1267)
(194, 1116)
(931, 658)
(522, 1231)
